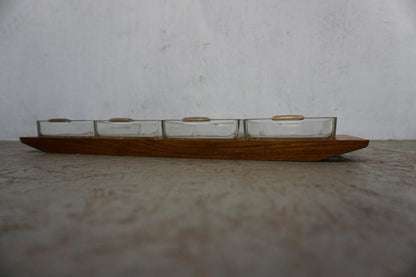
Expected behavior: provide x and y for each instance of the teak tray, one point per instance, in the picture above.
(273, 150)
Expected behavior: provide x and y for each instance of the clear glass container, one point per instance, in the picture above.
(201, 128)
(62, 127)
(290, 127)
(126, 127)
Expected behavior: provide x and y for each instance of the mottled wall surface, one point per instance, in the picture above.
(157, 59)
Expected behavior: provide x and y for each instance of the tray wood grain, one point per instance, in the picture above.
(274, 150)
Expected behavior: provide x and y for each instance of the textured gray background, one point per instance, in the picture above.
(155, 59)
(80, 215)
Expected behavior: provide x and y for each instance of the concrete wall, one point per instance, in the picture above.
(88, 59)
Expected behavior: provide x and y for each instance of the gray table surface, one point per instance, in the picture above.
(80, 215)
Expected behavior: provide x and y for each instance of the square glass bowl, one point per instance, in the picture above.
(201, 128)
(62, 127)
(126, 127)
(290, 127)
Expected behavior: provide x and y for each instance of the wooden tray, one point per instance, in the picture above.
(274, 150)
